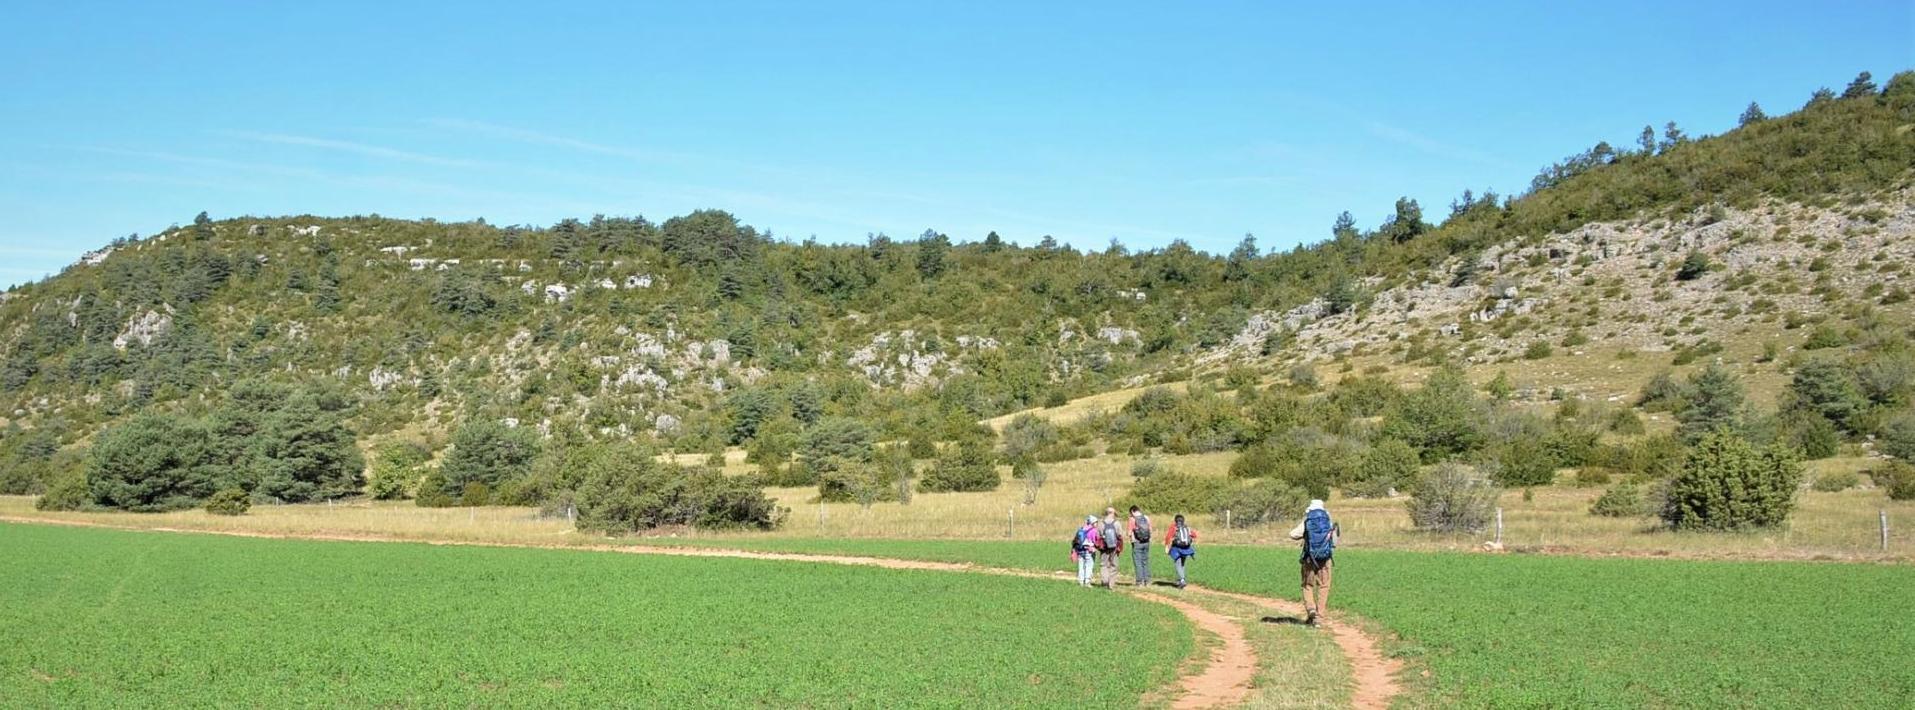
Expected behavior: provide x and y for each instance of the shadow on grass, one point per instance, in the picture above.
(1283, 620)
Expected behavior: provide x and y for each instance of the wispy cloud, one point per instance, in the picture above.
(522, 135)
(371, 151)
(1429, 145)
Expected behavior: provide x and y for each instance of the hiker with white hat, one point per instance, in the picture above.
(1319, 535)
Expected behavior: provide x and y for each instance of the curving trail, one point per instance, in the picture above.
(1223, 681)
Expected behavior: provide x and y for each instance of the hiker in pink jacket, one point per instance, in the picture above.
(1084, 550)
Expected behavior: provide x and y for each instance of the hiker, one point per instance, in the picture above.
(1181, 545)
(1110, 543)
(1140, 547)
(1083, 549)
(1319, 536)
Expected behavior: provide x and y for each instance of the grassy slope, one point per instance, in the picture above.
(108, 618)
(1511, 630)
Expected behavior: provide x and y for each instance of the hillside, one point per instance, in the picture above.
(698, 333)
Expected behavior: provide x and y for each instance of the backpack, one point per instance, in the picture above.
(1077, 539)
(1140, 530)
(1108, 539)
(1318, 542)
(1181, 536)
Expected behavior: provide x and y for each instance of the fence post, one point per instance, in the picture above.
(1885, 530)
(821, 513)
(1499, 526)
(1010, 522)
(1226, 518)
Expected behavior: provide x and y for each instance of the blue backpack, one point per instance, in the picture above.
(1319, 542)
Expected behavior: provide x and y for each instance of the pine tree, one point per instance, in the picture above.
(1647, 141)
(1863, 86)
(1752, 114)
(1715, 403)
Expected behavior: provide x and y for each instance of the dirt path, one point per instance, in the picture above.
(1223, 681)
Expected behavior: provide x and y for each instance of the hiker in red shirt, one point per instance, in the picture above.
(1181, 545)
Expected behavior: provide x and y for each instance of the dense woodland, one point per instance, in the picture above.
(546, 365)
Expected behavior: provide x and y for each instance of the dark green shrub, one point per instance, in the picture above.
(1810, 434)
(1624, 500)
(624, 490)
(921, 447)
(1727, 483)
(1260, 501)
(1827, 388)
(67, 491)
(1898, 437)
(1826, 336)
(1626, 422)
(1538, 350)
(432, 491)
(1452, 498)
(475, 494)
(1388, 465)
(1147, 467)
(1663, 393)
(154, 462)
(229, 501)
(1523, 462)
(1442, 420)
(1589, 476)
(1027, 434)
(1171, 491)
(487, 453)
(397, 467)
(1895, 478)
(1694, 266)
(1715, 402)
(965, 466)
(831, 442)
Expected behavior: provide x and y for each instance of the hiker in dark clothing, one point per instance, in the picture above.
(1110, 544)
(1140, 545)
(1319, 536)
(1181, 545)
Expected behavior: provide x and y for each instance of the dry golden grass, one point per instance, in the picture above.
(1075, 409)
(1842, 525)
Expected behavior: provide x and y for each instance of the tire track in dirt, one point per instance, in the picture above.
(1223, 681)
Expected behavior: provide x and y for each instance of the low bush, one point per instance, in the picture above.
(1895, 478)
(1147, 467)
(1260, 501)
(1173, 491)
(1592, 476)
(397, 467)
(486, 453)
(624, 489)
(965, 466)
(1624, 500)
(67, 491)
(229, 501)
(1388, 465)
(1523, 462)
(432, 491)
(1898, 437)
(1834, 481)
(1453, 498)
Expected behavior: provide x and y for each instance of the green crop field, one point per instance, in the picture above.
(1538, 631)
(110, 618)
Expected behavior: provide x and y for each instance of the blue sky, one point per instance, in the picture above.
(1088, 121)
